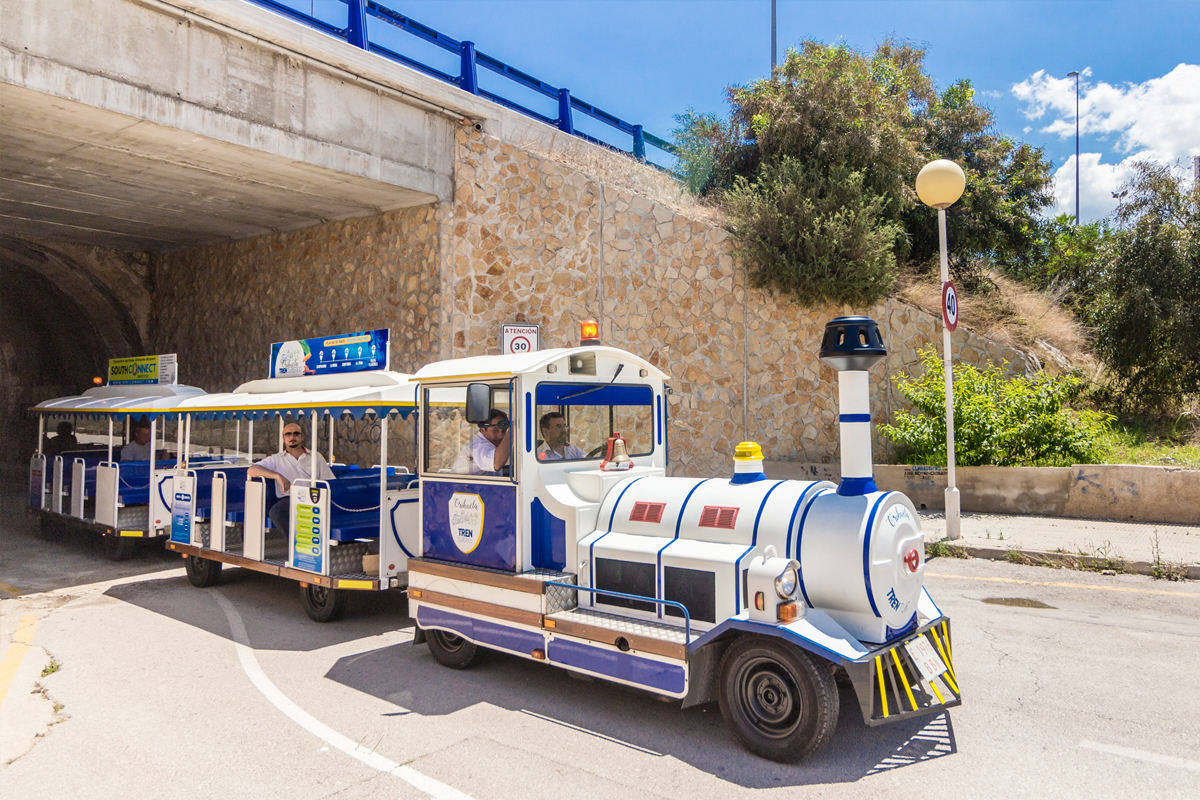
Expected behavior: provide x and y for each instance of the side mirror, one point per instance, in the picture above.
(479, 403)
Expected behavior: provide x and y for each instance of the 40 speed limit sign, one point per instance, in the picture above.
(949, 305)
(519, 338)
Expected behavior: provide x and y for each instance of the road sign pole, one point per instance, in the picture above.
(953, 526)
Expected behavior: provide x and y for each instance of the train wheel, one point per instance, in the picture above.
(322, 604)
(202, 572)
(118, 548)
(451, 650)
(780, 703)
(49, 529)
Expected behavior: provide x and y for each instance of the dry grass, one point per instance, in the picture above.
(622, 171)
(1013, 315)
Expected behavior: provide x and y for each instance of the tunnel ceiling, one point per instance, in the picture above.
(74, 172)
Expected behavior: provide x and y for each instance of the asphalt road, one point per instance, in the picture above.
(164, 690)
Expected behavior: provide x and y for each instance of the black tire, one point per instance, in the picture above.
(118, 548)
(321, 604)
(202, 572)
(781, 703)
(451, 650)
(49, 529)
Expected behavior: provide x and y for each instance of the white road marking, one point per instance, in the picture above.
(1141, 755)
(255, 673)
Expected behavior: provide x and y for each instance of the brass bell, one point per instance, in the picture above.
(617, 455)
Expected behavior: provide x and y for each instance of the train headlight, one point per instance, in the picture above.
(785, 584)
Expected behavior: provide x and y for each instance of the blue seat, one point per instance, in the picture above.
(354, 504)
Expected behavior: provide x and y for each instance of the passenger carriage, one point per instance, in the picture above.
(88, 487)
(353, 533)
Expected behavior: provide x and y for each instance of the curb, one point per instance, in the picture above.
(1071, 561)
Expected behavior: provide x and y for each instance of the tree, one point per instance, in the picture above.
(1147, 310)
(830, 147)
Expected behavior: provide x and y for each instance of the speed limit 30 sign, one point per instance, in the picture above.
(519, 338)
(949, 305)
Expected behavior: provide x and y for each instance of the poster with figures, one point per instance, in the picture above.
(328, 355)
(310, 523)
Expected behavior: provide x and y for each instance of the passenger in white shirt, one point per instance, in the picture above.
(296, 461)
(487, 451)
(139, 449)
(555, 446)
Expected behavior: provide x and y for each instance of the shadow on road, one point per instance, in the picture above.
(408, 677)
(70, 556)
(270, 607)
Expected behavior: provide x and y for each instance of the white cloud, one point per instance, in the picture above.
(1158, 120)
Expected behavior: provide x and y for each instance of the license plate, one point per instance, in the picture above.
(926, 659)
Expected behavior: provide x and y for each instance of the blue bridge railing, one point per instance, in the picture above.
(353, 22)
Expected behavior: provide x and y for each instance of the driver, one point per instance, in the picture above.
(555, 446)
(487, 451)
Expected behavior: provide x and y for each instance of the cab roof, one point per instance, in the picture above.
(526, 363)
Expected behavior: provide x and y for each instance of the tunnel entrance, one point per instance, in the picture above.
(57, 331)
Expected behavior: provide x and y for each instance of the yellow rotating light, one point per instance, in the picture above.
(747, 451)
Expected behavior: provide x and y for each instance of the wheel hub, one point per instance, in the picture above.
(770, 698)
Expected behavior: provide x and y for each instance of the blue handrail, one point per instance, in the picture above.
(687, 618)
(356, 33)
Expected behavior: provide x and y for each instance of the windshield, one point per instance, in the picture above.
(575, 420)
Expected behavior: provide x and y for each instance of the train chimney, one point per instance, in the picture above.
(852, 345)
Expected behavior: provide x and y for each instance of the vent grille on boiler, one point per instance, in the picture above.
(718, 517)
(647, 512)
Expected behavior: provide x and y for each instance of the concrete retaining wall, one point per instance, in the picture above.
(1084, 491)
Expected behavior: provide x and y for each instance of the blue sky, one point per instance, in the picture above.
(648, 60)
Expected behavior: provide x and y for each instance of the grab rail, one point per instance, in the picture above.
(687, 618)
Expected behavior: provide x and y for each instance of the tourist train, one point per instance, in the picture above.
(582, 554)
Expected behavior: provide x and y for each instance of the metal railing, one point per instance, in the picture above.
(687, 618)
(470, 60)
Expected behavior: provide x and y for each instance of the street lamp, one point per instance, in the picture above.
(939, 185)
(1075, 75)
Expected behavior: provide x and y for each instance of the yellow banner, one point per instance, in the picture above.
(141, 369)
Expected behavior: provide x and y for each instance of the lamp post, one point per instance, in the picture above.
(939, 185)
(773, 49)
(1075, 75)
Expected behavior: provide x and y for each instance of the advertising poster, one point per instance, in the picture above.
(142, 370)
(181, 510)
(308, 543)
(329, 355)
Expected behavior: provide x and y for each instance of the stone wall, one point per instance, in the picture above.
(534, 241)
(221, 307)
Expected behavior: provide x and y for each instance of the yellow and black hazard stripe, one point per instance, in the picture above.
(890, 686)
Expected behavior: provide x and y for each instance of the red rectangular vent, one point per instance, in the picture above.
(647, 512)
(718, 517)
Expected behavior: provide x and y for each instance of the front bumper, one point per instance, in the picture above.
(889, 685)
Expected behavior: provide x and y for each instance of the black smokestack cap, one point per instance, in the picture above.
(852, 343)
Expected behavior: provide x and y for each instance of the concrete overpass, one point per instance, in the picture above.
(148, 124)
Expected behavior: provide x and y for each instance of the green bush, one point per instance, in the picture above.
(1000, 421)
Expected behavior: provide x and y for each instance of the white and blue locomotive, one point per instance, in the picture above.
(745, 590)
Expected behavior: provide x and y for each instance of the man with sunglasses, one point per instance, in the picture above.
(486, 452)
(296, 461)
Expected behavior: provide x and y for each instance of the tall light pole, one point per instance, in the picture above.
(939, 184)
(1075, 75)
(773, 49)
